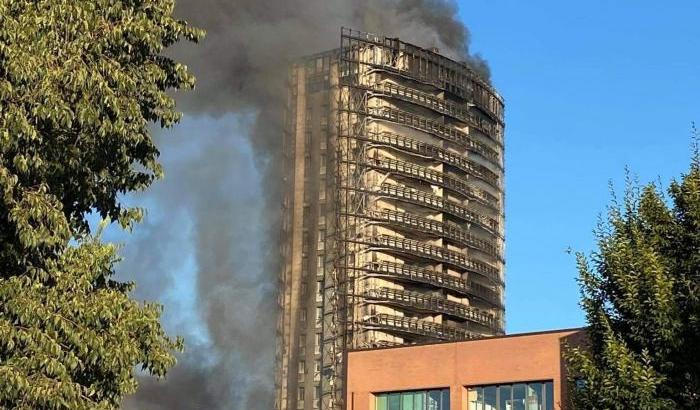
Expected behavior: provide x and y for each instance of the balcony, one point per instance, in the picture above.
(431, 176)
(452, 76)
(414, 248)
(437, 203)
(405, 272)
(435, 128)
(430, 226)
(439, 154)
(427, 303)
(417, 327)
(459, 112)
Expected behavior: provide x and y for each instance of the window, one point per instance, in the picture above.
(321, 237)
(322, 191)
(520, 396)
(438, 399)
(319, 314)
(302, 345)
(302, 366)
(319, 341)
(320, 259)
(301, 394)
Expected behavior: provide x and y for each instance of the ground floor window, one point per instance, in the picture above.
(518, 396)
(437, 399)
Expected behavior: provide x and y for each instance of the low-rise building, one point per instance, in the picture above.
(515, 372)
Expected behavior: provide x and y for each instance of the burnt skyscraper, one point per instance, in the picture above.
(393, 210)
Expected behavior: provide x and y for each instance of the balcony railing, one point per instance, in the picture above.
(429, 303)
(436, 128)
(437, 203)
(416, 248)
(458, 111)
(417, 327)
(431, 226)
(435, 177)
(452, 77)
(418, 147)
(401, 271)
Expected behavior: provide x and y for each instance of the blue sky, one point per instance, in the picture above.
(590, 87)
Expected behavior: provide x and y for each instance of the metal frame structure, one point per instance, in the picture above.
(414, 242)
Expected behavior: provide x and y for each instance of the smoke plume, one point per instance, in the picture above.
(208, 248)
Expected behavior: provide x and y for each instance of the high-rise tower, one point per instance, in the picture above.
(393, 210)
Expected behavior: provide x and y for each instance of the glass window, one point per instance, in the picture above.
(505, 401)
(407, 400)
(475, 398)
(549, 396)
(434, 400)
(438, 399)
(394, 401)
(490, 402)
(533, 398)
(445, 402)
(519, 396)
(381, 402)
(419, 401)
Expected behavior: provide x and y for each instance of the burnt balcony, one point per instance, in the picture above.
(405, 325)
(433, 304)
(406, 144)
(459, 112)
(436, 128)
(431, 176)
(410, 273)
(437, 203)
(414, 248)
(409, 221)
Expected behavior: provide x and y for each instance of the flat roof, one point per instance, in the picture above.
(481, 339)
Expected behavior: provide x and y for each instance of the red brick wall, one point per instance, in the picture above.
(510, 359)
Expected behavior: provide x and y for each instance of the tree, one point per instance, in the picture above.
(641, 296)
(80, 82)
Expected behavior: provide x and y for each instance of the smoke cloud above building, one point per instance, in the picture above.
(208, 249)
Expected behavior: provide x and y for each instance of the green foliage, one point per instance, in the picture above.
(80, 84)
(73, 344)
(641, 295)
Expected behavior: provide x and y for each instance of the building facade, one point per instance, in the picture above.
(392, 227)
(516, 372)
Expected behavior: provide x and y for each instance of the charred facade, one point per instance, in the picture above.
(393, 210)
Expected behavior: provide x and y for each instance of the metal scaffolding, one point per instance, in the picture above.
(413, 242)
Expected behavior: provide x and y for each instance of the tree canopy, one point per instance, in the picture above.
(641, 295)
(80, 84)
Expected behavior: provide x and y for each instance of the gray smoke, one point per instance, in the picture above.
(212, 233)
